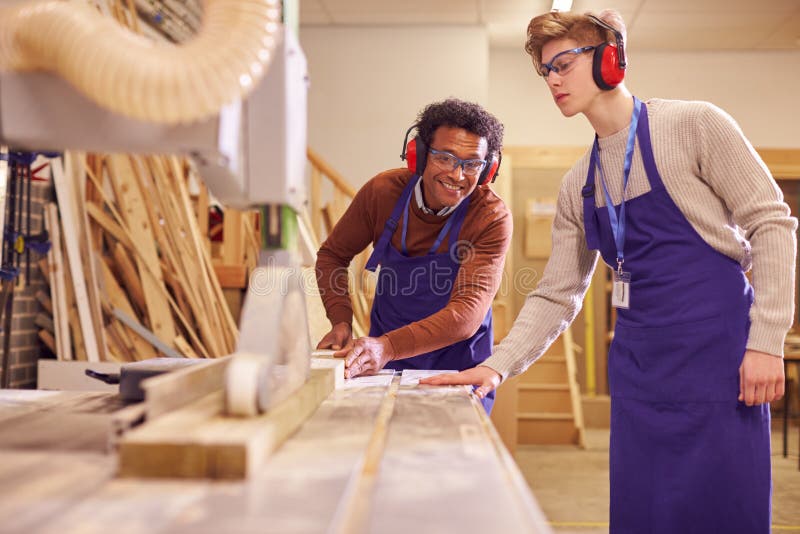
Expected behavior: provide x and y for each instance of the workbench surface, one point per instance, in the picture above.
(432, 464)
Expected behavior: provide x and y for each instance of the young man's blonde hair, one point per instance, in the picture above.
(567, 25)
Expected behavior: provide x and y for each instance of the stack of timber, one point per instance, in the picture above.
(130, 272)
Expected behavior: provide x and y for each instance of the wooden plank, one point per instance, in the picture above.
(184, 347)
(108, 224)
(231, 276)
(78, 347)
(45, 301)
(199, 442)
(176, 389)
(132, 202)
(232, 238)
(74, 168)
(119, 342)
(130, 278)
(140, 348)
(48, 339)
(45, 322)
(58, 283)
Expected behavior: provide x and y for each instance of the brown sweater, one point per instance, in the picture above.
(487, 226)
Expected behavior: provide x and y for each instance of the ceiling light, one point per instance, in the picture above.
(561, 5)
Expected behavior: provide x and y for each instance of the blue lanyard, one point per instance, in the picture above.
(618, 224)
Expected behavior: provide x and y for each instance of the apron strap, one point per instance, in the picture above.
(391, 225)
(646, 149)
(460, 215)
(590, 222)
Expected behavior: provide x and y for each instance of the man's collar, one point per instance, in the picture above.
(447, 210)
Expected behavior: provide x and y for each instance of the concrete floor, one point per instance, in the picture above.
(571, 485)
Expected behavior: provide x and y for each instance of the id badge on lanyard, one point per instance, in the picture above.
(621, 290)
(621, 285)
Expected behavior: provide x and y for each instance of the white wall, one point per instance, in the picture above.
(761, 90)
(368, 84)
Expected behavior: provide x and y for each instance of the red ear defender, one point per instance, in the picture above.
(411, 156)
(489, 173)
(606, 68)
(415, 153)
(608, 63)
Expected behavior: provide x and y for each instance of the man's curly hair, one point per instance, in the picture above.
(459, 114)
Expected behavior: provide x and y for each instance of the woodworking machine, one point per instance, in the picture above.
(251, 154)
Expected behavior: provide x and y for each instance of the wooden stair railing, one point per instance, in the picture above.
(323, 218)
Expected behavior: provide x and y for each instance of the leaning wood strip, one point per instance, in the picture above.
(45, 301)
(70, 220)
(130, 278)
(184, 347)
(48, 339)
(141, 349)
(109, 225)
(57, 284)
(118, 343)
(74, 169)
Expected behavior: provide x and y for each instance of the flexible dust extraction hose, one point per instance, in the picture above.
(133, 76)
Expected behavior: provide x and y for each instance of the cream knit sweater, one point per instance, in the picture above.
(724, 190)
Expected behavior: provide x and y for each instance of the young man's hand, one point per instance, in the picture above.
(760, 378)
(486, 378)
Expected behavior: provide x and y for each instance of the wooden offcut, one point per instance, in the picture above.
(199, 441)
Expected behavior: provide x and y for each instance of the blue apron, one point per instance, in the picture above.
(410, 289)
(685, 455)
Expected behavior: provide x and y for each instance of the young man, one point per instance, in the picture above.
(440, 236)
(679, 205)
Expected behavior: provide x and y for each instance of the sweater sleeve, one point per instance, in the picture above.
(352, 234)
(734, 170)
(557, 299)
(478, 279)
